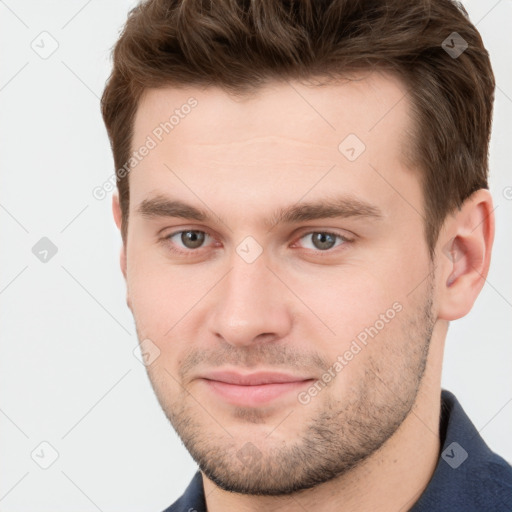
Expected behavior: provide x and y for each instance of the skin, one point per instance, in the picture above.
(369, 439)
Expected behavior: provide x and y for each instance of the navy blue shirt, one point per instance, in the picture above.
(469, 477)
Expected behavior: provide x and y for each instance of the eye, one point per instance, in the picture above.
(189, 239)
(323, 240)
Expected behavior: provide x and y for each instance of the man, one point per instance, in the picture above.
(304, 208)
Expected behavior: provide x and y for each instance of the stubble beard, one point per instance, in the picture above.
(339, 436)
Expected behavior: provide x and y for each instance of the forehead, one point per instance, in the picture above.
(361, 104)
(276, 142)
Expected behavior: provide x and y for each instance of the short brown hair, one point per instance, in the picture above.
(241, 44)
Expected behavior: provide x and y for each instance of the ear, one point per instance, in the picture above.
(464, 255)
(116, 210)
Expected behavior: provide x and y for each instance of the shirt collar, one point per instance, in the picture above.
(468, 475)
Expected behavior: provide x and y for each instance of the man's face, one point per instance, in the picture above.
(291, 346)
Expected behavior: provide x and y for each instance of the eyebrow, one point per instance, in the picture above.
(338, 207)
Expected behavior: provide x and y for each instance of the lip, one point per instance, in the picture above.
(253, 379)
(252, 389)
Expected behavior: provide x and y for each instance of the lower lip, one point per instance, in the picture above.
(254, 395)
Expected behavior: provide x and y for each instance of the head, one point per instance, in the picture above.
(302, 190)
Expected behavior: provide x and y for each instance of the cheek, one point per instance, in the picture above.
(153, 296)
(345, 299)
(156, 289)
(361, 311)
(165, 304)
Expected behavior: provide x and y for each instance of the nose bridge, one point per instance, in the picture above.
(250, 285)
(250, 302)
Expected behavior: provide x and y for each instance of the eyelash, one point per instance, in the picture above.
(192, 252)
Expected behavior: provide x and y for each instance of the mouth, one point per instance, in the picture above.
(253, 389)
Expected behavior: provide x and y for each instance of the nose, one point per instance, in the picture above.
(251, 305)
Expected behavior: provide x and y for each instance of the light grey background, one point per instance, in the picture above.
(68, 374)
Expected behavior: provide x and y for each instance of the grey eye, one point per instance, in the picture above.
(192, 239)
(322, 240)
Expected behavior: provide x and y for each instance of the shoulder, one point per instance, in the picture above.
(490, 485)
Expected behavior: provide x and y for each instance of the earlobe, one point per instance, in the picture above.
(465, 255)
